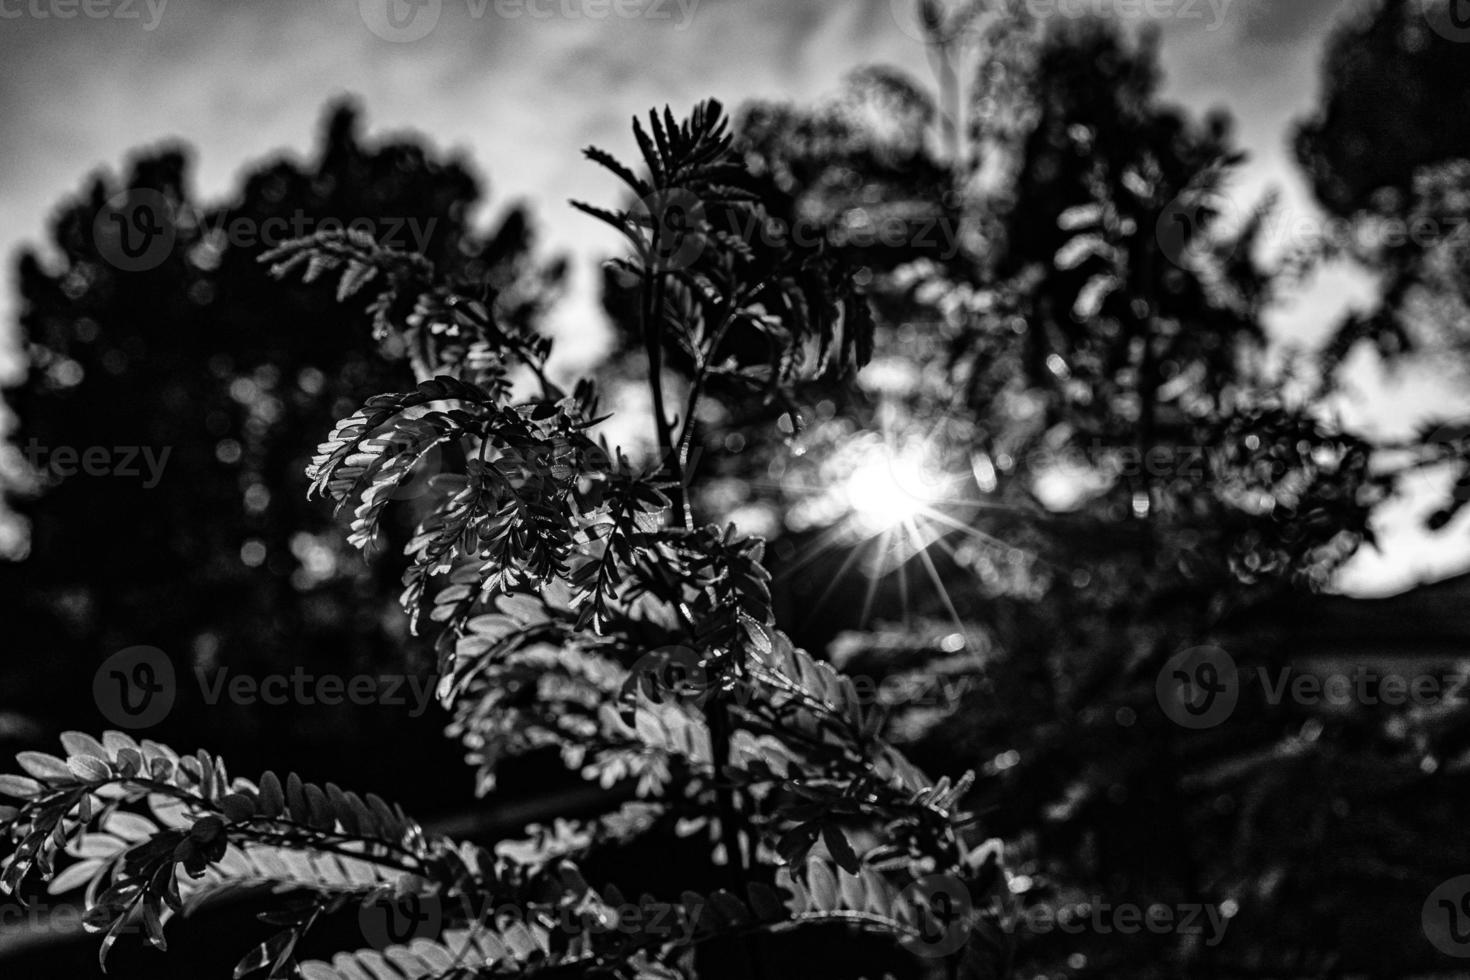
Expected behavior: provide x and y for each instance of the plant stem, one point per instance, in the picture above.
(696, 387)
(669, 463)
(717, 716)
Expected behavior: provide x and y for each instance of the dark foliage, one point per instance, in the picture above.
(233, 374)
(565, 592)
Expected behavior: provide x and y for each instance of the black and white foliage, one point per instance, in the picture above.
(575, 605)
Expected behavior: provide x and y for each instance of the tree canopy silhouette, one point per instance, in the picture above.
(204, 357)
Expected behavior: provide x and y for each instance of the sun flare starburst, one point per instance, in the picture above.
(888, 489)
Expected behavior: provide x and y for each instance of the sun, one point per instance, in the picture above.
(890, 488)
(888, 503)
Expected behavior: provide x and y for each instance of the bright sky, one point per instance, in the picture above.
(520, 86)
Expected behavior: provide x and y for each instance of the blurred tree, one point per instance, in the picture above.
(1067, 463)
(194, 351)
(1385, 153)
(1394, 101)
(1084, 312)
(1388, 155)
